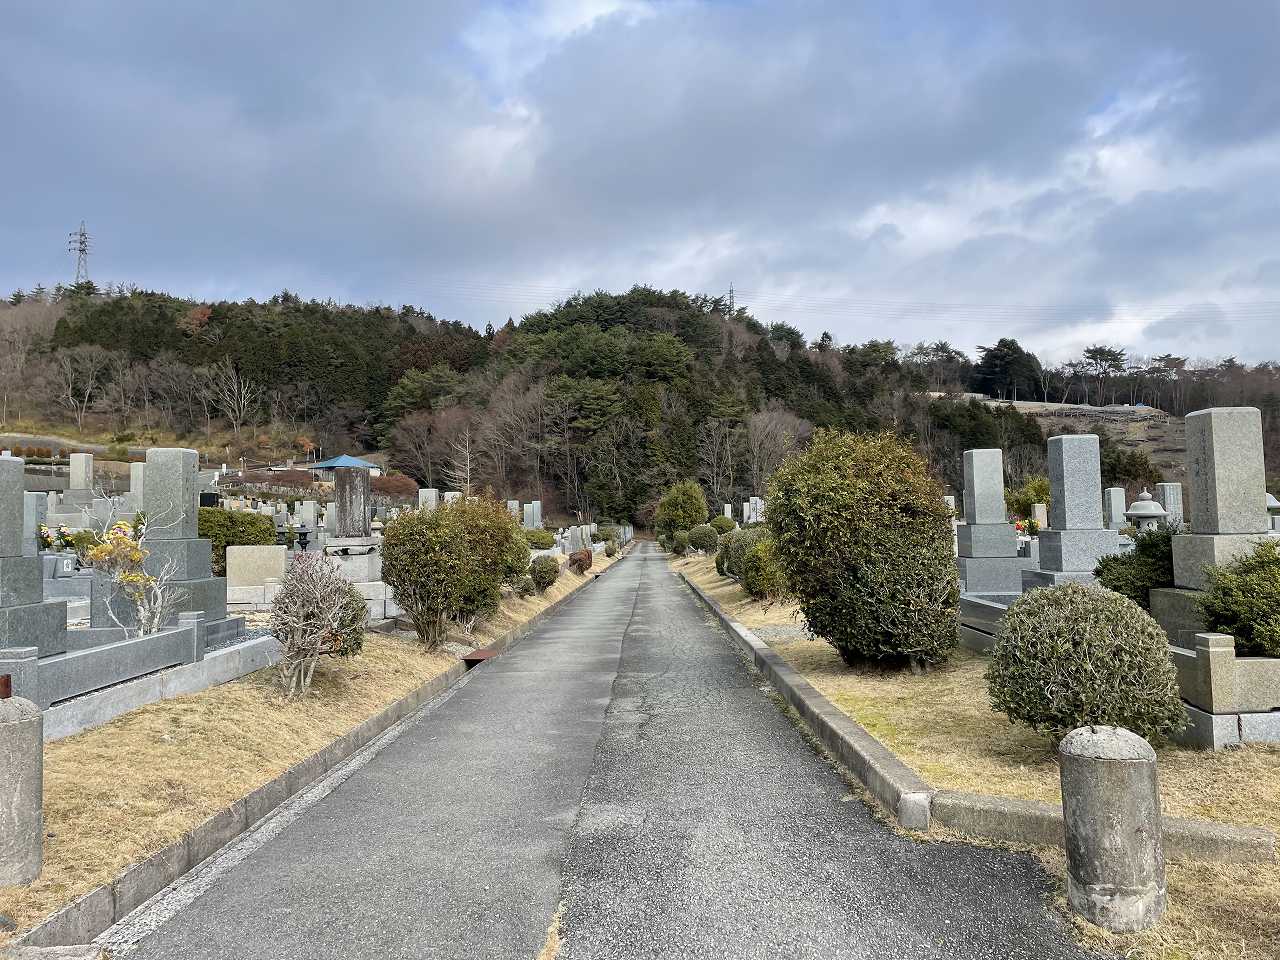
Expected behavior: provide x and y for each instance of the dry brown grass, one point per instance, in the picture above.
(119, 792)
(941, 723)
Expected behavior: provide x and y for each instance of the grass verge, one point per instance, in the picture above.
(942, 725)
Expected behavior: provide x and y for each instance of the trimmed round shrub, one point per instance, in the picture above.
(683, 506)
(611, 548)
(762, 575)
(233, 528)
(580, 561)
(865, 541)
(1080, 654)
(449, 564)
(1243, 599)
(722, 524)
(736, 543)
(703, 537)
(680, 543)
(544, 571)
(540, 539)
(526, 587)
(1147, 566)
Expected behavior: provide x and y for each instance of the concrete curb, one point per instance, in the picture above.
(918, 806)
(82, 920)
(897, 787)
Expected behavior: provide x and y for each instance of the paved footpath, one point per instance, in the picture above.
(621, 761)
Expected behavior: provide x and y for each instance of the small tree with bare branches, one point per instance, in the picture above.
(317, 613)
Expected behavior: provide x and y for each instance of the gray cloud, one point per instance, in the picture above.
(960, 173)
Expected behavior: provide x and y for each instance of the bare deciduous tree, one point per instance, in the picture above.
(81, 371)
(234, 394)
(772, 433)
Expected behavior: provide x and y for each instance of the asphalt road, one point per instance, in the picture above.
(621, 764)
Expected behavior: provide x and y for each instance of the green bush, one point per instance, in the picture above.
(722, 524)
(1147, 566)
(540, 539)
(1078, 654)
(611, 548)
(665, 543)
(526, 587)
(680, 543)
(116, 451)
(1243, 599)
(865, 541)
(82, 541)
(233, 528)
(449, 564)
(762, 575)
(721, 556)
(683, 506)
(1019, 501)
(544, 571)
(735, 545)
(703, 537)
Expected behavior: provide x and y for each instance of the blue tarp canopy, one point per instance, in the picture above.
(343, 461)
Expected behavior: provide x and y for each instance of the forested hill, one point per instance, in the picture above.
(595, 404)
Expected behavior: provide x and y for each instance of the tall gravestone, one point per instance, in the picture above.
(1228, 492)
(34, 510)
(170, 501)
(80, 480)
(349, 537)
(428, 498)
(30, 627)
(1070, 550)
(1113, 507)
(537, 514)
(728, 510)
(987, 546)
(527, 521)
(1169, 496)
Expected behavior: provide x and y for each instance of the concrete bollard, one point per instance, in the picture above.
(21, 791)
(1111, 811)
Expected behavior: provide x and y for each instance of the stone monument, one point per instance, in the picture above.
(987, 546)
(1169, 496)
(1113, 507)
(1070, 550)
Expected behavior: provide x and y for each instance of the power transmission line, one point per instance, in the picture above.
(78, 242)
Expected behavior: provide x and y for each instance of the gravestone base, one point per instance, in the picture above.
(1033, 579)
(350, 546)
(21, 580)
(21, 665)
(1177, 610)
(1218, 731)
(987, 540)
(993, 574)
(1075, 550)
(1192, 552)
(42, 625)
(359, 568)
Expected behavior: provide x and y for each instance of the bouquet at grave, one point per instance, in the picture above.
(121, 555)
(58, 540)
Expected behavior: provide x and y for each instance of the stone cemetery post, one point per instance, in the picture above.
(1113, 507)
(21, 791)
(428, 498)
(1040, 514)
(537, 514)
(527, 522)
(1169, 496)
(1071, 549)
(987, 546)
(1111, 812)
(452, 495)
(728, 510)
(80, 484)
(1228, 492)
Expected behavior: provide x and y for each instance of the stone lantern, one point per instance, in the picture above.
(1145, 513)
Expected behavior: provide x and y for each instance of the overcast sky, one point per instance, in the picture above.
(1060, 172)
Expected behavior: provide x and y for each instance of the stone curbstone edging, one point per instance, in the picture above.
(897, 787)
(918, 806)
(84, 919)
